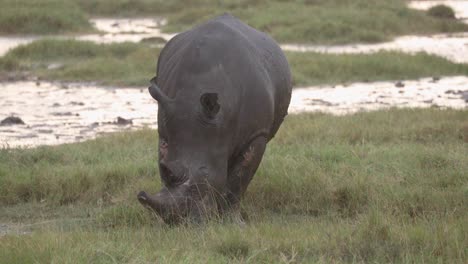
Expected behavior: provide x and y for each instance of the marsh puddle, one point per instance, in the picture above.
(453, 47)
(132, 30)
(54, 113)
(448, 92)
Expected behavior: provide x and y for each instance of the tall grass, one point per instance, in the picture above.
(386, 186)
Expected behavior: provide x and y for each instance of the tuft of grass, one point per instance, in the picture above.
(233, 246)
(130, 64)
(441, 11)
(41, 17)
(381, 187)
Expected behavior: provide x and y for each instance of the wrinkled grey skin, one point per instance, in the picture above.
(223, 90)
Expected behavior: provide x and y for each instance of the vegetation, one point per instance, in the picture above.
(305, 21)
(312, 68)
(317, 21)
(117, 64)
(386, 186)
(441, 11)
(130, 64)
(41, 17)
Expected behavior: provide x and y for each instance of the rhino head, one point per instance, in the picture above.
(193, 153)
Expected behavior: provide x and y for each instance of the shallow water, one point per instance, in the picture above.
(453, 47)
(123, 29)
(54, 113)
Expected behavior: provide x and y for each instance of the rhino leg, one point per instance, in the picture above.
(241, 173)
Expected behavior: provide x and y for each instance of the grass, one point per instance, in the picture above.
(123, 64)
(441, 11)
(315, 68)
(319, 21)
(378, 187)
(304, 21)
(42, 17)
(130, 64)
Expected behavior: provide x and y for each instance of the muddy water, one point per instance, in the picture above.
(132, 30)
(453, 47)
(449, 92)
(56, 114)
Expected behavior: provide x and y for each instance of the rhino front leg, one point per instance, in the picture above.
(241, 173)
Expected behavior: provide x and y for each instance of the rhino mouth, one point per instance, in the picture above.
(174, 208)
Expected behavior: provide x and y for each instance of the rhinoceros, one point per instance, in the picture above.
(223, 89)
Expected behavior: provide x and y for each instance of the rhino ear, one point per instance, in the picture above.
(210, 105)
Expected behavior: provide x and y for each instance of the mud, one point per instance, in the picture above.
(56, 115)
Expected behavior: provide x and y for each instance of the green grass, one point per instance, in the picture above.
(41, 17)
(130, 64)
(305, 21)
(378, 187)
(441, 11)
(123, 64)
(317, 21)
(314, 68)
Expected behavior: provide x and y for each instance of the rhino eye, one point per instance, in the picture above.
(209, 102)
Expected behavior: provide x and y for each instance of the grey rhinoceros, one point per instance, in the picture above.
(223, 89)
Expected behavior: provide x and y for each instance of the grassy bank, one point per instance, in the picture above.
(386, 186)
(126, 64)
(321, 21)
(42, 17)
(326, 22)
(133, 64)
